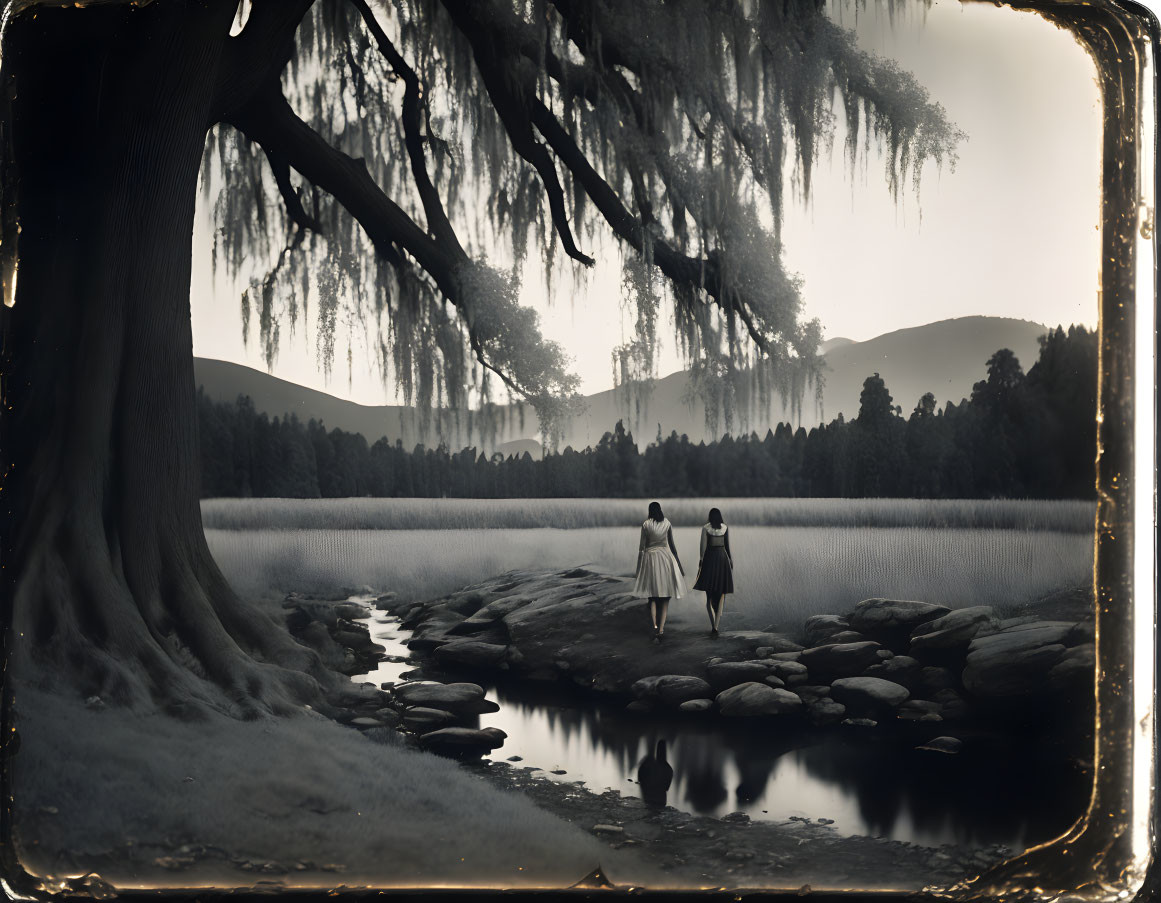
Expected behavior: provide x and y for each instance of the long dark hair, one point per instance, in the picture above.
(715, 518)
(655, 512)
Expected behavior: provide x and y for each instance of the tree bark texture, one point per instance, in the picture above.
(112, 584)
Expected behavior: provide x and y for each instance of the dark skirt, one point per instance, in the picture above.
(717, 574)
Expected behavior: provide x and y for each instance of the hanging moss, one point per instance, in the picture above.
(672, 123)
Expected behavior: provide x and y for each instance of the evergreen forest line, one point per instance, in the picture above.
(1019, 435)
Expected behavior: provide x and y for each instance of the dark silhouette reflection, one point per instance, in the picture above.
(701, 766)
(1015, 790)
(654, 775)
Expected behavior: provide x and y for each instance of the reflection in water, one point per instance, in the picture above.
(654, 775)
(1013, 791)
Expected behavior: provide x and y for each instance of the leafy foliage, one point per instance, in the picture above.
(488, 130)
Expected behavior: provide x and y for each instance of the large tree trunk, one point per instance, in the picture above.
(113, 586)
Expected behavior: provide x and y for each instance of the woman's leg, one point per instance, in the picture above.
(709, 608)
(718, 606)
(662, 612)
(653, 612)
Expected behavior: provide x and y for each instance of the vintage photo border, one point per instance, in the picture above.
(1104, 854)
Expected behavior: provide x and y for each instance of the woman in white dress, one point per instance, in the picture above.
(660, 576)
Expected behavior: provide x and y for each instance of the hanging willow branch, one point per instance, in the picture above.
(439, 131)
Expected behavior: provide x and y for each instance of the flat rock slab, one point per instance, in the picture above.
(868, 693)
(729, 674)
(471, 653)
(580, 627)
(879, 615)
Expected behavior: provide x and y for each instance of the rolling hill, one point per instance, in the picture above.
(945, 358)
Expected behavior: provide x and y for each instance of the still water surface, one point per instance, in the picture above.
(995, 791)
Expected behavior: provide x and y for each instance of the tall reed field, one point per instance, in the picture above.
(793, 558)
(509, 514)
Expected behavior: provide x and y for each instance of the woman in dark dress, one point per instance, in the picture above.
(715, 568)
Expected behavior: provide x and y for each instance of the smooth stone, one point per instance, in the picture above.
(873, 615)
(955, 626)
(697, 705)
(608, 829)
(842, 659)
(868, 693)
(751, 699)
(771, 681)
(1077, 667)
(902, 669)
(949, 745)
(436, 695)
(1001, 670)
(811, 692)
(674, 689)
(819, 627)
(786, 669)
(860, 722)
(471, 652)
(1019, 639)
(825, 711)
(847, 636)
(424, 717)
(365, 721)
(729, 674)
(463, 738)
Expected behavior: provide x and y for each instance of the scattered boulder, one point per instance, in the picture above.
(931, 679)
(697, 705)
(825, 711)
(771, 681)
(840, 660)
(892, 618)
(919, 710)
(352, 611)
(847, 636)
(859, 722)
(1075, 669)
(675, 689)
(901, 669)
(786, 669)
(423, 719)
(457, 697)
(819, 628)
(811, 692)
(1014, 662)
(868, 694)
(951, 634)
(950, 745)
(471, 653)
(463, 741)
(751, 699)
(729, 674)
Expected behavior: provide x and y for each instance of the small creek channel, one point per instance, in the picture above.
(1010, 792)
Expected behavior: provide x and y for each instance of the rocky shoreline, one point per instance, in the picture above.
(921, 670)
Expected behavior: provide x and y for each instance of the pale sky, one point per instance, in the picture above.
(1013, 231)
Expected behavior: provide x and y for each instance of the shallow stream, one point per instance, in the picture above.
(997, 791)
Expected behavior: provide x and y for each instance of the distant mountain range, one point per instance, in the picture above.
(945, 358)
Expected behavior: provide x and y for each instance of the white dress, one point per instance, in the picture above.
(658, 574)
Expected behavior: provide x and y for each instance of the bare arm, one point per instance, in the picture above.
(641, 548)
(728, 554)
(673, 549)
(701, 548)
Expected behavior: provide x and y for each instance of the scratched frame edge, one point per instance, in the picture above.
(1111, 32)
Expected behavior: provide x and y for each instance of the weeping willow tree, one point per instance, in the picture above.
(365, 163)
